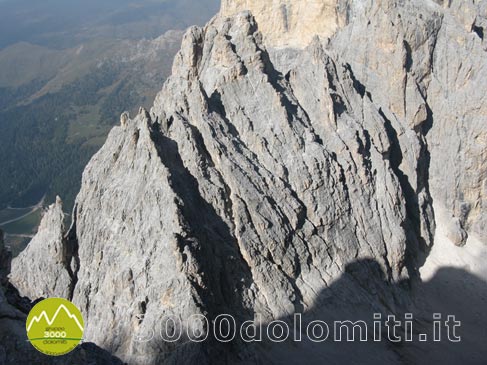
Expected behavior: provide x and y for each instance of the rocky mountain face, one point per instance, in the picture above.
(279, 173)
(293, 23)
(14, 347)
(57, 281)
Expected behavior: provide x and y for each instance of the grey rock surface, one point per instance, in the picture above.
(456, 233)
(423, 64)
(262, 175)
(48, 259)
(14, 346)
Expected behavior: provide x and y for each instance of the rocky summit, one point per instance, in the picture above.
(295, 162)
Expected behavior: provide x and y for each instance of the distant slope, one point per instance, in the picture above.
(67, 72)
(51, 125)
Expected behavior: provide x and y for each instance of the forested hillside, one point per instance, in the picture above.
(68, 69)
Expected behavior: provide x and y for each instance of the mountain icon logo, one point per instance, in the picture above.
(55, 326)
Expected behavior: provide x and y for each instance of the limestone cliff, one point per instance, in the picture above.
(292, 22)
(279, 172)
(47, 253)
(14, 346)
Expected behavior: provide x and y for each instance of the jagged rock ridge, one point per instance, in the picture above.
(14, 346)
(261, 173)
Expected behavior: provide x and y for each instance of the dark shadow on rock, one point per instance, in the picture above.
(362, 291)
(226, 274)
(20, 352)
(417, 247)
